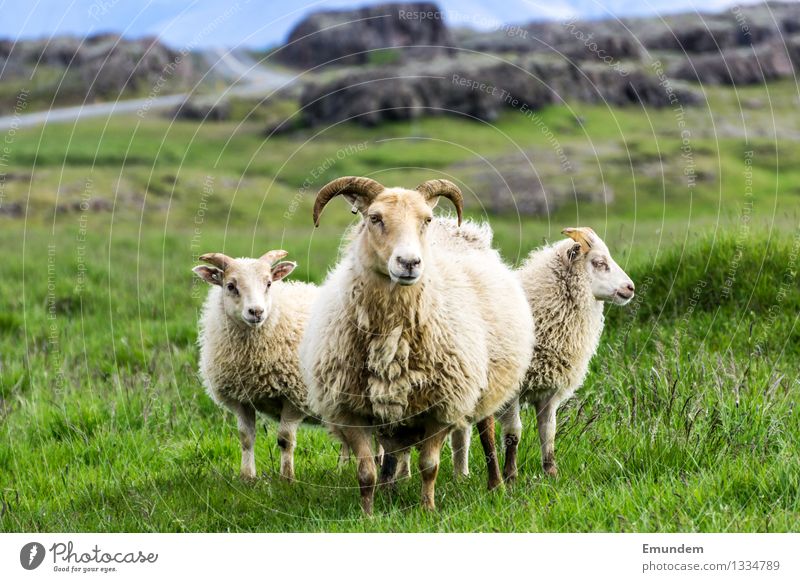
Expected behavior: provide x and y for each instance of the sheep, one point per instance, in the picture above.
(468, 236)
(414, 332)
(567, 284)
(250, 330)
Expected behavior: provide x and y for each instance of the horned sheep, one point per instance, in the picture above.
(567, 284)
(414, 332)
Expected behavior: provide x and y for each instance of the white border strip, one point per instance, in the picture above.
(402, 557)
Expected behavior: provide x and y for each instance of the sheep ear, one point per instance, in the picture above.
(282, 270)
(357, 203)
(573, 252)
(210, 275)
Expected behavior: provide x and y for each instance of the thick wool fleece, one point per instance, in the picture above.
(569, 322)
(256, 365)
(454, 346)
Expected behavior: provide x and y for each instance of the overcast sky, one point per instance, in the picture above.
(260, 23)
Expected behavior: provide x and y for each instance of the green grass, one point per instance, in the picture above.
(687, 422)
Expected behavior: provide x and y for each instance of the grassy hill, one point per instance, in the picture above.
(687, 422)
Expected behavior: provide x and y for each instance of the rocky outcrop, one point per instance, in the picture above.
(626, 38)
(742, 66)
(370, 34)
(111, 66)
(370, 98)
(99, 66)
(480, 90)
(739, 26)
(690, 34)
(203, 109)
(574, 39)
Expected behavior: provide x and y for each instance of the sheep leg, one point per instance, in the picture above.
(546, 421)
(459, 443)
(344, 450)
(379, 453)
(486, 432)
(344, 455)
(246, 421)
(403, 470)
(393, 451)
(429, 455)
(388, 469)
(358, 439)
(291, 417)
(512, 431)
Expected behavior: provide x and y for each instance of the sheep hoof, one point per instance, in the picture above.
(387, 480)
(428, 504)
(495, 484)
(247, 476)
(551, 470)
(510, 478)
(366, 505)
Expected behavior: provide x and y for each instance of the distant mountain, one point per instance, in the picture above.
(251, 23)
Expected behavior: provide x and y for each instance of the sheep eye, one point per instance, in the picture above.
(428, 219)
(600, 265)
(375, 219)
(232, 288)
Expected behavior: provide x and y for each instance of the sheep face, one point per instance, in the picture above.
(392, 241)
(608, 281)
(395, 226)
(245, 284)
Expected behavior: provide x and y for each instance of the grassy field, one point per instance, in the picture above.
(688, 422)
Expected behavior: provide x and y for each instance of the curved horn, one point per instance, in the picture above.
(217, 259)
(353, 185)
(581, 235)
(272, 256)
(433, 188)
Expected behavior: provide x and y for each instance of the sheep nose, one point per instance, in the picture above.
(409, 263)
(629, 286)
(256, 312)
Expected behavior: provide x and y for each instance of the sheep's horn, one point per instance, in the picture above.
(272, 256)
(434, 188)
(217, 259)
(581, 235)
(366, 188)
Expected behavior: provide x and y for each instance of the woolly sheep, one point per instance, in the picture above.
(414, 332)
(250, 330)
(468, 236)
(567, 284)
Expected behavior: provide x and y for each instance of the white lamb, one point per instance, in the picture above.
(414, 332)
(567, 284)
(250, 330)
